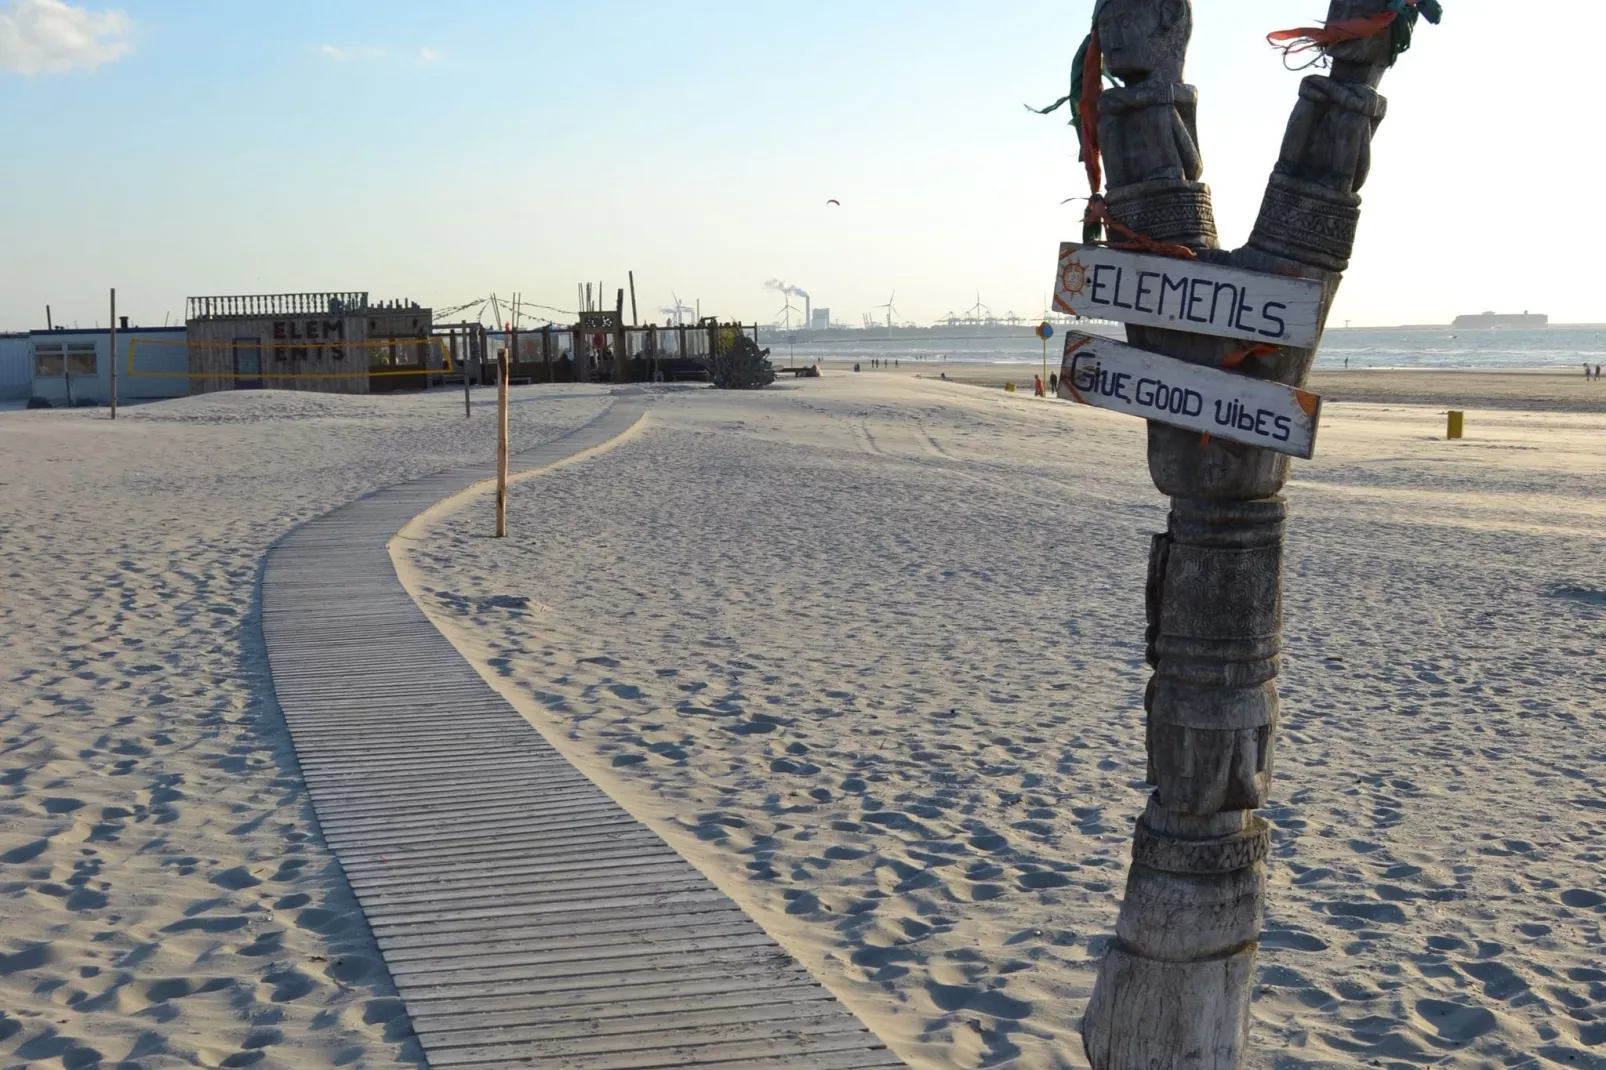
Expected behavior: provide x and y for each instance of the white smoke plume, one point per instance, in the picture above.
(785, 287)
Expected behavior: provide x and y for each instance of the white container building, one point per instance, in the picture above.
(16, 367)
(73, 366)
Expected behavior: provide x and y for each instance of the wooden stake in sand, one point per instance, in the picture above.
(1173, 989)
(501, 444)
(111, 351)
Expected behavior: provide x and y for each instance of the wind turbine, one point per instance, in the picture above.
(973, 313)
(680, 319)
(787, 310)
(890, 309)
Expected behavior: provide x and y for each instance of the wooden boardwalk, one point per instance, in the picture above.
(526, 918)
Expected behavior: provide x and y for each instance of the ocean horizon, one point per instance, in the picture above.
(1561, 347)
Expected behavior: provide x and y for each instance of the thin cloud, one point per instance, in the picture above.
(342, 55)
(54, 37)
(428, 55)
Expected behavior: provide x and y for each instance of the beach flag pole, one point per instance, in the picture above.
(501, 442)
(1045, 331)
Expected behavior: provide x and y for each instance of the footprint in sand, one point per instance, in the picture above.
(1455, 1022)
(235, 879)
(1582, 898)
(26, 853)
(289, 985)
(1377, 913)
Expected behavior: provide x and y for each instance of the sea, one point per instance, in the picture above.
(1563, 347)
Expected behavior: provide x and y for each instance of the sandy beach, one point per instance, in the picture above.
(867, 649)
(1532, 390)
(166, 898)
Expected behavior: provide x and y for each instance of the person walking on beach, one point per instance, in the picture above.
(1053, 384)
(1586, 371)
(1597, 373)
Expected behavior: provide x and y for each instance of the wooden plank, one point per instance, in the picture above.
(741, 1051)
(1188, 295)
(1113, 375)
(526, 918)
(674, 999)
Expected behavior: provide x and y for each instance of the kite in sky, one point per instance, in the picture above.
(834, 201)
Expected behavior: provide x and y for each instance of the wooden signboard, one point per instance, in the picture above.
(1111, 375)
(1187, 295)
(600, 320)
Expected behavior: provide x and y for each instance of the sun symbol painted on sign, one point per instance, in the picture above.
(1073, 279)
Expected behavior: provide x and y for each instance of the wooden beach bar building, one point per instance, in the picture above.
(329, 342)
(587, 351)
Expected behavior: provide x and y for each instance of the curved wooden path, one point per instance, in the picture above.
(526, 918)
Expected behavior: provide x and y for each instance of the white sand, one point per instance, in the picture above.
(869, 650)
(165, 896)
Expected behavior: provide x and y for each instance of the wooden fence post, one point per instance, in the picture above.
(501, 444)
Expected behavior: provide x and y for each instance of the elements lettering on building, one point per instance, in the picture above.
(1111, 375)
(1187, 295)
(304, 331)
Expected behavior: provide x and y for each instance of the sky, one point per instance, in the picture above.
(443, 152)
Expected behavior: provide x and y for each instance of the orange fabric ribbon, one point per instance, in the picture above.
(1088, 112)
(1099, 212)
(1237, 357)
(1305, 38)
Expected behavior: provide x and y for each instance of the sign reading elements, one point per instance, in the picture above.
(1111, 375)
(1187, 295)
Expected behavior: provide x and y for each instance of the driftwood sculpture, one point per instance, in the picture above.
(739, 364)
(1173, 989)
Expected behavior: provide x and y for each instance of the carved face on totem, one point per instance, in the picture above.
(1144, 39)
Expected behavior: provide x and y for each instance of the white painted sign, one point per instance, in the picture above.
(1111, 375)
(1187, 295)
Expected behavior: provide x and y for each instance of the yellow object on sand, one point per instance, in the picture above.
(1010, 387)
(1455, 427)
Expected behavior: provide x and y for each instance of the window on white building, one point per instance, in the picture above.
(47, 361)
(81, 360)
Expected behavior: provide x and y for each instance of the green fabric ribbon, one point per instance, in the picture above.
(1405, 14)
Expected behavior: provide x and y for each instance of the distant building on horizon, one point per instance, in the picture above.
(820, 320)
(1502, 319)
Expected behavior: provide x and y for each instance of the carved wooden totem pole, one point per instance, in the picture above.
(1174, 987)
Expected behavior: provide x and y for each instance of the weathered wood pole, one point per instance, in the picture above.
(461, 360)
(1173, 989)
(621, 371)
(501, 444)
(111, 349)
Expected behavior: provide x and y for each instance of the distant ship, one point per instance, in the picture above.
(1502, 319)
